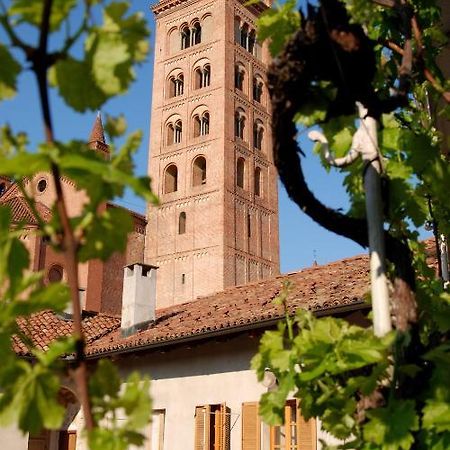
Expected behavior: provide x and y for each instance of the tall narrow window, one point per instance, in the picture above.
(170, 134)
(206, 75)
(171, 179)
(258, 134)
(196, 34)
(240, 172)
(295, 434)
(257, 181)
(239, 124)
(257, 89)
(251, 42)
(251, 426)
(237, 30)
(182, 223)
(204, 128)
(239, 76)
(176, 85)
(249, 226)
(185, 37)
(244, 36)
(178, 132)
(212, 427)
(199, 171)
(197, 125)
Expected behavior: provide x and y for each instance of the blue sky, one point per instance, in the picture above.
(301, 240)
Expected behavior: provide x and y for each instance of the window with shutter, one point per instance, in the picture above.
(296, 433)
(212, 427)
(251, 427)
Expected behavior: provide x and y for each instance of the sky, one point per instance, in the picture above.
(302, 241)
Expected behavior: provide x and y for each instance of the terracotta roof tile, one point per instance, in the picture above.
(44, 327)
(319, 288)
(21, 212)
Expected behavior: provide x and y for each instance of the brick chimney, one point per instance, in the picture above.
(138, 297)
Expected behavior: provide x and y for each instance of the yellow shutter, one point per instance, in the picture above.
(202, 428)
(222, 428)
(306, 432)
(251, 426)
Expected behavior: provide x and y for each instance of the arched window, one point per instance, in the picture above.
(258, 134)
(182, 223)
(244, 36)
(239, 124)
(237, 30)
(185, 37)
(204, 129)
(55, 274)
(202, 76)
(239, 76)
(171, 179)
(257, 181)
(170, 134)
(251, 42)
(240, 172)
(197, 125)
(196, 33)
(199, 171)
(178, 132)
(257, 89)
(176, 85)
(206, 75)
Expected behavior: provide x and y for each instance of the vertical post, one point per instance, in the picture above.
(374, 213)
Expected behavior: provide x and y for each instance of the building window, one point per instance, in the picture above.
(202, 76)
(244, 36)
(176, 85)
(257, 181)
(295, 434)
(258, 134)
(157, 429)
(196, 34)
(257, 89)
(199, 171)
(212, 427)
(201, 124)
(171, 179)
(251, 42)
(183, 278)
(185, 37)
(240, 172)
(41, 185)
(249, 226)
(174, 132)
(239, 124)
(182, 223)
(55, 274)
(2, 188)
(239, 76)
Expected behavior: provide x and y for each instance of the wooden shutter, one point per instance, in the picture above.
(202, 428)
(306, 431)
(222, 428)
(251, 426)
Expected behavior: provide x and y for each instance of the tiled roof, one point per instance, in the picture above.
(44, 327)
(321, 288)
(21, 212)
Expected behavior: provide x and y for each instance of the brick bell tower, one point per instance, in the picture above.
(210, 151)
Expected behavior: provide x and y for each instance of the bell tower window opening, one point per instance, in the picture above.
(199, 171)
(239, 76)
(257, 89)
(257, 181)
(244, 36)
(239, 124)
(204, 125)
(171, 179)
(182, 223)
(258, 134)
(176, 86)
(202, 77)
(196, 34)
(240, 172)
(251, 42)
(178, 132)
(185, 37)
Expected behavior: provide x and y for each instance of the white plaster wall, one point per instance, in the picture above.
(11, 438)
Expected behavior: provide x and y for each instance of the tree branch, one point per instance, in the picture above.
(70, 245)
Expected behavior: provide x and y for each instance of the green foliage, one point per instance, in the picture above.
(120, 411)
(278, 24)
(101, 67)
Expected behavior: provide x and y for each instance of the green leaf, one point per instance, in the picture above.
(391, 427)
(31, 12)
(76, 84)
(8, 75)
(115, 126)
(278, 24)
(436, 415)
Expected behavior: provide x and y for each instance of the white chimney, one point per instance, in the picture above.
(138, 297)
